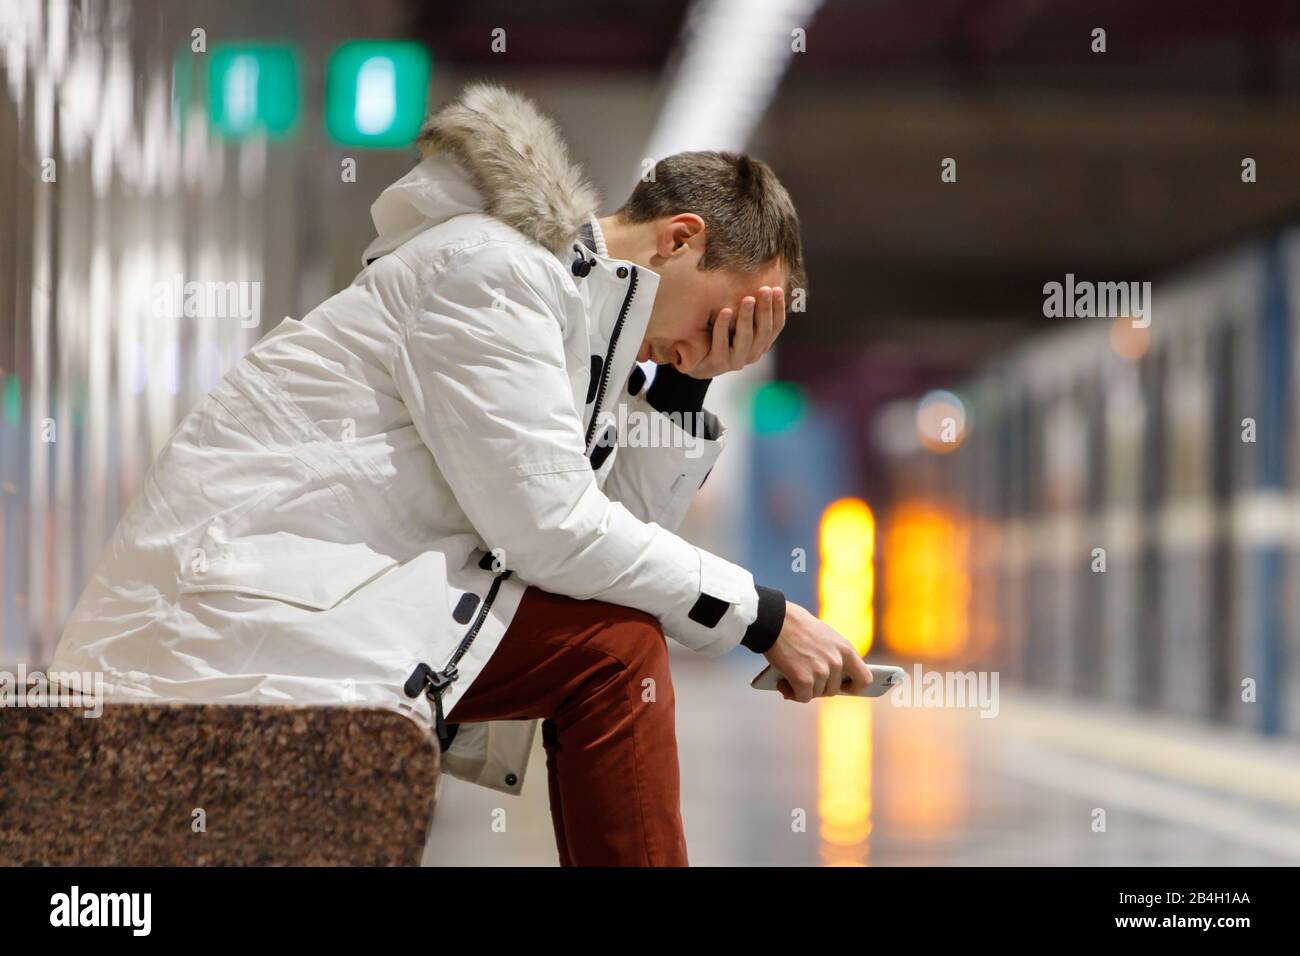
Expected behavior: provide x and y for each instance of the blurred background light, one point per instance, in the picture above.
(375, 93)
(846, 589)
(777, 407)
(844, 782)
(846, 584)
(253, 87)
(1129, 342)
(927, 583)
(733, 56)
(941, 421)
(13, 399)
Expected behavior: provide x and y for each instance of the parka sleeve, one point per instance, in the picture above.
(482, 370)
(656, 481)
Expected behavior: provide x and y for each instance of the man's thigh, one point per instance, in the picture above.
(555, 649)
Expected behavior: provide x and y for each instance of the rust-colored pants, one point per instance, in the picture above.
(597, 675)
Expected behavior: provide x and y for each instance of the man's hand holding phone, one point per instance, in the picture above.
(815, 658)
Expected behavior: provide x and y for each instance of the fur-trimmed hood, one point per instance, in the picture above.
(493, 151)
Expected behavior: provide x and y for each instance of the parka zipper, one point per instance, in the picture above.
(432, 682)
(609, 356)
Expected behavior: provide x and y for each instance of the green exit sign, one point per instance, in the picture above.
(778, 407)
(253, 87)
(375, 92)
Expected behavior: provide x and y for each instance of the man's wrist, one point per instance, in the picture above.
(762, 634)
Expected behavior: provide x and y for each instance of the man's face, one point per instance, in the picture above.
(689, 299)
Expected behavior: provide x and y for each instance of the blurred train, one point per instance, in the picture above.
(1123, 501)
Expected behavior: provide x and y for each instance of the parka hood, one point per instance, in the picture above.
(491, 151)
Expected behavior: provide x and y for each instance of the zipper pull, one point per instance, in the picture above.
(432, 683)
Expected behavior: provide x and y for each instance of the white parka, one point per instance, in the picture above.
(322, 523)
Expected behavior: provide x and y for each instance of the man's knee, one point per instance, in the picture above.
(644, 651)
(636, 638)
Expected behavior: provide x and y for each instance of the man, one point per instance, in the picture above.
(413, 497)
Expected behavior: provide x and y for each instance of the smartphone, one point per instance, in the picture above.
(884, 678)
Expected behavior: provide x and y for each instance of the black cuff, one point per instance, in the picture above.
(674, 391)
(762, 634)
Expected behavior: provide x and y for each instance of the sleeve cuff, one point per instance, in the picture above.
(762, 634)
(673, 391)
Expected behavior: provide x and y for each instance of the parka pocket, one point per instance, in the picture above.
(287, 567)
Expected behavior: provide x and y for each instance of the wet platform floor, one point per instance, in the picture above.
(769, 782)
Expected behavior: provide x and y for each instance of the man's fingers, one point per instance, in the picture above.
(744, 334)
(804, 692)
(859, 673)
(758, 322)
(835, 682)
(721, 334)
(762, 326)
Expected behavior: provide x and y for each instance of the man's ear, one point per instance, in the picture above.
(679, 233)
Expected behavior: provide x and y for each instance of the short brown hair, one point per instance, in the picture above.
(750, 217)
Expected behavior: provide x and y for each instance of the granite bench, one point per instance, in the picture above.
(149, 784)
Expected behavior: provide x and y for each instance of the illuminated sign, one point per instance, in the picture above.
(253, 87)
(375, 93)
(778, 407)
